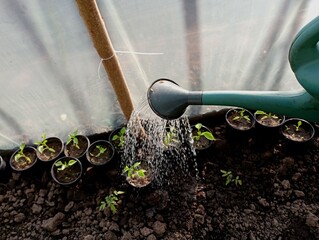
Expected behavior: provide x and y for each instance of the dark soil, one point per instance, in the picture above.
(278, 198)
(72, 150)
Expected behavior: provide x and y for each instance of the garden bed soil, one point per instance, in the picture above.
(278, 198)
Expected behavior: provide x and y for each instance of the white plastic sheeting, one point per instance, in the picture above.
(50, 77)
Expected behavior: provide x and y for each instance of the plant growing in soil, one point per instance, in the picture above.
(24, 158)
(297, 130)
(76, 145)
(111, 201)
(134, 171)
(241, 115)
(230, 178)
(199, 133)
(66, 170)
(240, 119)
(100, 149)
(20, 156)
(73, 139)
(100, 152)
(266, 115)
(202, 136)
(42, 145)
(171, 137)
(118, 139)
(62, 166)
(268, 119)
(138, 175)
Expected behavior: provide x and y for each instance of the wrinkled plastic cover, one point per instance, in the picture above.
(50, 77)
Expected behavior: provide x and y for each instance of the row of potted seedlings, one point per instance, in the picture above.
(294, 129)
(67, 169)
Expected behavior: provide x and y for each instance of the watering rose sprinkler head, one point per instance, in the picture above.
(169, 101)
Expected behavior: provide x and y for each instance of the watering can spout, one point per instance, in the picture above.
(170, 101)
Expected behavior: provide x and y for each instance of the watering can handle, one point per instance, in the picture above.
(304, 48)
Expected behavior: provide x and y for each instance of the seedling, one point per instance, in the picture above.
(62, 166)
(111, 201)
(21, 154)
(119, 138)
(101, 151)
(200, 133)
(266, 115)
(299, 123)
(170, 136)
(42, 145)
(73, 139)
(134, 171)
(230, 178)
(242, 115)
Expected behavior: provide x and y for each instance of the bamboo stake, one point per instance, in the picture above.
(92, 18)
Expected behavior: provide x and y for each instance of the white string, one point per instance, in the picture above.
(129, 52)
(139, 53)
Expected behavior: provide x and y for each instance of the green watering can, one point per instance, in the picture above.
(170, 101)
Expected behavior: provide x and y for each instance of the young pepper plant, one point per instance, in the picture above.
(21, 154)
(120, 138)
(200, 133)
(170, 136)
(73, 139)
(242, 115)
(134, 171)
(266, 115)
(42, 145)
(101, 151)
(62, 166)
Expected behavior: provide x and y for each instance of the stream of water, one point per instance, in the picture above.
(146, 140)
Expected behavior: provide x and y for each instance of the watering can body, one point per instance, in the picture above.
(169, 101)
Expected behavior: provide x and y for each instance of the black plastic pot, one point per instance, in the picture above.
(73, 175)
(241, 123)
(70, 150)
(30, 152)
(48, 156)
(102, 159)
(297, 130)
(3, 164)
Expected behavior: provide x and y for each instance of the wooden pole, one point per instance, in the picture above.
(92, 18)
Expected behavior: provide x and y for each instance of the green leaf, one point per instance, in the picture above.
(122, 131)
(260, 112)
(209, 136)
(236, 118)
(59, 163)
(198, 126)
(115, 137)
(41, 148)
(72, 162)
